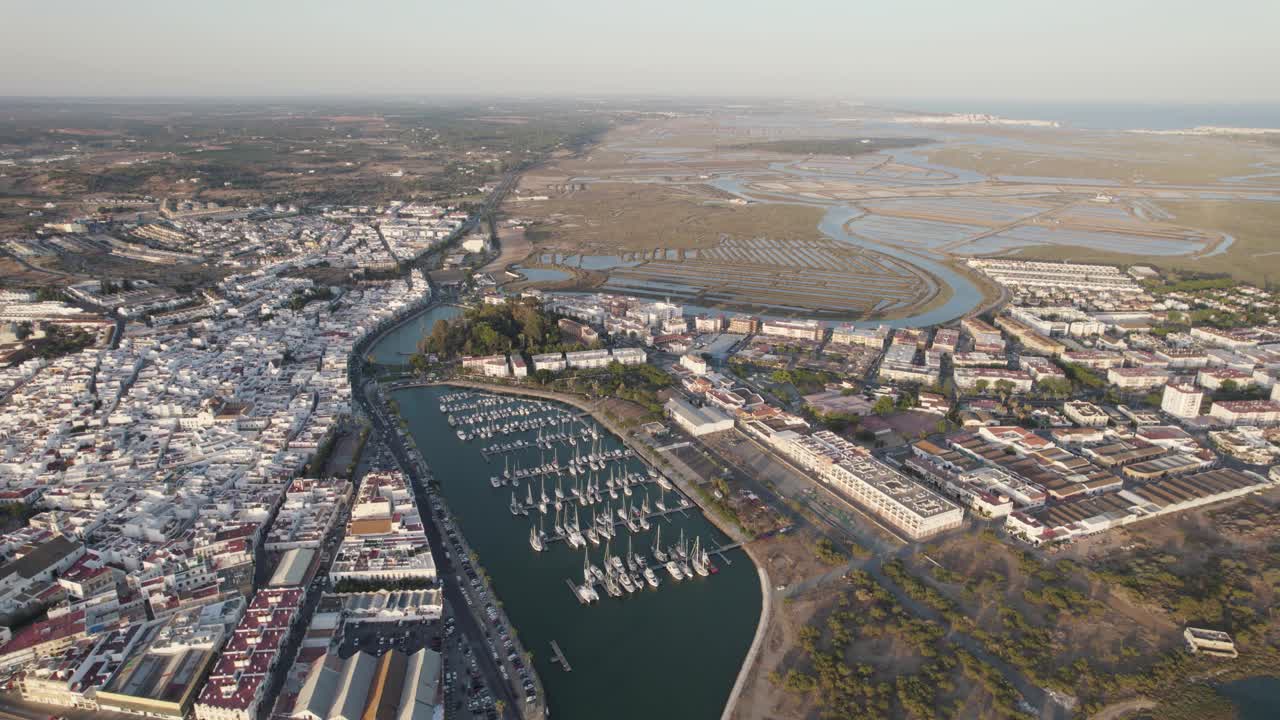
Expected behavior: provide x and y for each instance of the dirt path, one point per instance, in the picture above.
(513, 246)
(1117, 710)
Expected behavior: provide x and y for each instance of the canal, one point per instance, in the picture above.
(397, 346)
(673, 652)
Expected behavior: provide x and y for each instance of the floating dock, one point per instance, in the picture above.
(559, 657)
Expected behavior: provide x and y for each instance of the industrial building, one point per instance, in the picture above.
(697, 421)
(394, 686)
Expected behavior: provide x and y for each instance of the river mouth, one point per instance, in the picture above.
(670, 652)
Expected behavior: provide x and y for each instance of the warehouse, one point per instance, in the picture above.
(394, 685)
(697, 421)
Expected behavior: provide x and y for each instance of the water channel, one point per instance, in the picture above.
(397, 346)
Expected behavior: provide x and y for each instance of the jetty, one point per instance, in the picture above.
(558, 656)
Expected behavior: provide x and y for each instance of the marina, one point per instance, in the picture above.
(599, 482)
(571, 586)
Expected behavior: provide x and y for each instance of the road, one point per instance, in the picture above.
(388, 430)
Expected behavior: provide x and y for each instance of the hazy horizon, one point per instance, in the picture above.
(1135, 52)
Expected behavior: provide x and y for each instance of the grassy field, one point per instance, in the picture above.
(1254, 257)
(613, 217)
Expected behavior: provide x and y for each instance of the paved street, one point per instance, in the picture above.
(445, 565)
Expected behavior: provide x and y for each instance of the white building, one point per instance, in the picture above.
(489, 366)
(694, 363)
(968, 378)
(854, 335)
(1137, 378)
(698, 421)
(551, 362)
(587, 359)
(1182, 401)
(1247, 412)
(629, 356)
(905, 504)
(796, 329)
(1085, 414)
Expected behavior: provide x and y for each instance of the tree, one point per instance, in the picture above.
(1004, 387)
(883, 406)
(1228, 386)
(981, 386)
(23, 331)
(1055, 387)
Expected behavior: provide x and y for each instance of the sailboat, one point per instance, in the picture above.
(658, 553)
(698, 558)
(515, 507)
(535, 539)
(586, 592)
(575, 536)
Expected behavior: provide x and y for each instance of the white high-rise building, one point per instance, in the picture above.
(1182, 401)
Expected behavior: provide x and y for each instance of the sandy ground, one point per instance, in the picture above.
(514, 246)
(789, 560)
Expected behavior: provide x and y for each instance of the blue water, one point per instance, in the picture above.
(1113, 116)
(400, 344)
(543, 274)
(1255, 698)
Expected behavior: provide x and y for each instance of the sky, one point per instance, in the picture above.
(1224, 51)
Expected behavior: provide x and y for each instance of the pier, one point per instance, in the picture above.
(720, 551)
(552, 537)
(559, 656)
(574, 589)
(571, 500)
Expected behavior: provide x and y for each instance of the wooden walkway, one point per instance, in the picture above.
(723, 549)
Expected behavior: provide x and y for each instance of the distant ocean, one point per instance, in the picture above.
(1115, 116)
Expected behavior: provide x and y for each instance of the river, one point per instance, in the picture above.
(397, 346)
(673, 652)
(965, 295)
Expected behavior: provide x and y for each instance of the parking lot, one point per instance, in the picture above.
(379, 637)
(493, 623)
